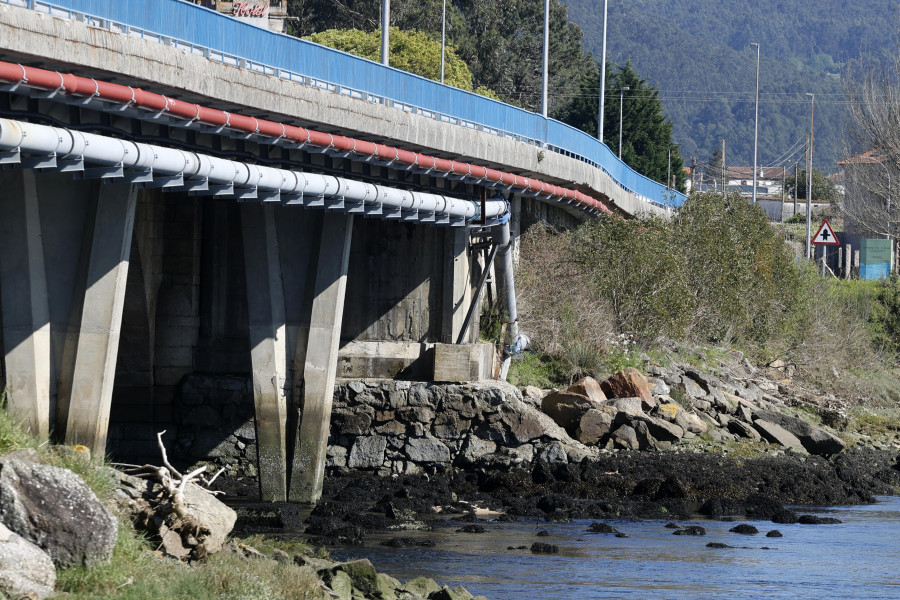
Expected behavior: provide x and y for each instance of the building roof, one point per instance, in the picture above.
(761, 172)
(869, 157)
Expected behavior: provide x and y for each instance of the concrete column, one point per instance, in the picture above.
(319, 371)
(24, 302)
(456, 296)
(268, 347)
(96, 349)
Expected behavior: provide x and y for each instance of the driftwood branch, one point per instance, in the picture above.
(172, 480)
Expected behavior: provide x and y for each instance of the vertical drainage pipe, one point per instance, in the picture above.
(514, 342)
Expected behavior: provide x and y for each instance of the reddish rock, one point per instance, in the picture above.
(590, 387)
(628, 383)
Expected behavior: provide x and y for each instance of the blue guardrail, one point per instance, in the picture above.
(221, 36)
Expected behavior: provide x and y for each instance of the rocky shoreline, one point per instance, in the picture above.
(670, 446)
(627, 484)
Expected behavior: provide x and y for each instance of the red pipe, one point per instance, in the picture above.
(75, 85)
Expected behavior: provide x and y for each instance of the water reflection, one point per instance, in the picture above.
(857, 559)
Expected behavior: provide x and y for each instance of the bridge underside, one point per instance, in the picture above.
(115, 296)
(112, 295)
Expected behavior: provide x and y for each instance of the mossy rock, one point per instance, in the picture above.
(422, 586)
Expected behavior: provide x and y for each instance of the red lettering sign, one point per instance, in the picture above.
(250, 9)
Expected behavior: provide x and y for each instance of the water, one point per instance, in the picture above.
(858, 559)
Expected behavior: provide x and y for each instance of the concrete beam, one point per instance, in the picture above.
(308, 469)
(23, 297)
(97, 332)
(268, 347)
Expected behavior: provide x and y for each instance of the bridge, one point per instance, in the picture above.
(179, 196)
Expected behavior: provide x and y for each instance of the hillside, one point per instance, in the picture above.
(697, 52)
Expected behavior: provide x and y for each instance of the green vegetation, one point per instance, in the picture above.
(137, 572)
(717, 277)
(411, 51)
(823, 189)
(646, 132)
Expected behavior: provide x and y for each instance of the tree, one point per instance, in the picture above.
(872, 90)
(823, 188)
(411, 51)
(646, 133)
(717, 168)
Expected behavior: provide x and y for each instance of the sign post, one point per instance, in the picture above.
(825, 237)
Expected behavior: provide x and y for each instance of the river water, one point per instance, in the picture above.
(857, 559)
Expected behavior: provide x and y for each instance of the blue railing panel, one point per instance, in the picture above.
(237, 42)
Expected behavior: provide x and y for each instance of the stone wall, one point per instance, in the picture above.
(383, 426)
(394, 427)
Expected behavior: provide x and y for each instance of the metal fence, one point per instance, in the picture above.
(219, 37)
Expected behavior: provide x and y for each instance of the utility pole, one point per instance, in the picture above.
(783, 180)
(443, 38)
(796, 181)
(756, 122)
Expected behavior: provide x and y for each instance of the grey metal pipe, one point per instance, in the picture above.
(42, 140)
(515, 341)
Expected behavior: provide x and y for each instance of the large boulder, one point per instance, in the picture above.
(815, 440)
(588, 386)
(524, 423)
(367, 452)
(744, 430)
(566, 409)
(625, 437)
(663, 430)
(427, 450)
(26, 571)
(56, 510)
(628, 383)
(594, 426)
(201, 532)
(776, 434)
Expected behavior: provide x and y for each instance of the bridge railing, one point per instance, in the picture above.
(205, 32)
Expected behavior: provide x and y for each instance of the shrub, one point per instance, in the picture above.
(718, 273)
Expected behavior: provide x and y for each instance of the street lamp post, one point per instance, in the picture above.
(621, 98)
(546, 58)
(602, 77)
(809, 178)
(386, 32)
(756, 122)
(443, 38)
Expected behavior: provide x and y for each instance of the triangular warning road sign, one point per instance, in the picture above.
(825, 236)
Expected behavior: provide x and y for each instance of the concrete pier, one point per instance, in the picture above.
(24, 303)
(321, 358)
(64, 249)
